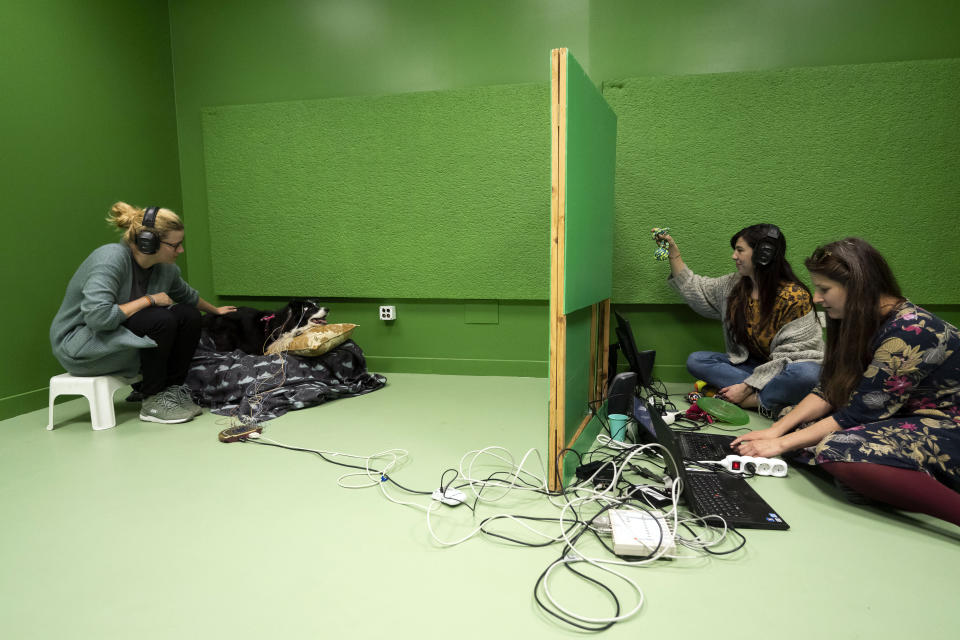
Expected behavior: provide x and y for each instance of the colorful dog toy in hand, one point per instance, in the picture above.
(663, 245)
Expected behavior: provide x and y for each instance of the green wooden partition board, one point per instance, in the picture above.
(440, 194)
(871, 150)
(591, 146)
(577, 370)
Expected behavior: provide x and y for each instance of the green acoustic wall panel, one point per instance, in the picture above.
(870, 150)
(591, 146)
(441, 194)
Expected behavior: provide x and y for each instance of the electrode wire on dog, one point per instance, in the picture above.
(256, 398)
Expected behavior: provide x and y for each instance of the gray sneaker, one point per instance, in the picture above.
(185, 397)
(164, 407)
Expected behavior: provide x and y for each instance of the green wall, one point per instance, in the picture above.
(870, 150)
(88, 118)
(300, 50)
(297, 50)
(632, 39)
(431, 194)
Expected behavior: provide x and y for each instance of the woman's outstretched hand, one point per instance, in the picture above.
(657, 237)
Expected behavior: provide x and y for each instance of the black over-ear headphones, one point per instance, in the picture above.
(148, 240)
(766, 249)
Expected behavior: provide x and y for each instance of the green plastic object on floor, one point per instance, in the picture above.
(724, 411)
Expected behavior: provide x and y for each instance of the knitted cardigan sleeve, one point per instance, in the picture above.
(799, 340)
(174, 285)
(99, 307)
(706, 296)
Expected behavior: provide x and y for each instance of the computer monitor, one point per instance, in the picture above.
(641, 362)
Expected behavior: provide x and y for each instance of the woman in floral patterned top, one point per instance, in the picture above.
(885, 419)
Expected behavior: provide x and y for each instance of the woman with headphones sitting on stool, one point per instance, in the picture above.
(128, 311)
(773, 340)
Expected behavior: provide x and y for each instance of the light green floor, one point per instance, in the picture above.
(155, 531)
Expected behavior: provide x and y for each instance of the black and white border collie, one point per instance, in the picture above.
(251, 330)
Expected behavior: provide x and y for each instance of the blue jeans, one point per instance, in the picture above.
(789, 387)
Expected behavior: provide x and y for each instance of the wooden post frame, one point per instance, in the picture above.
(558, 326)
(581, 244)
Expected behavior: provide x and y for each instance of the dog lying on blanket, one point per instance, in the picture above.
(251, 330)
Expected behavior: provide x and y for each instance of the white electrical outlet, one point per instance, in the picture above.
(388, 313)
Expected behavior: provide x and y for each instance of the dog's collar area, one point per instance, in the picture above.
(268, 318)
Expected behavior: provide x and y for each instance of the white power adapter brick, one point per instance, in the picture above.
(640, 533)
(451, 496)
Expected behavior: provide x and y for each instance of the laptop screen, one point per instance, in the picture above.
(673, 462)
(640, 363)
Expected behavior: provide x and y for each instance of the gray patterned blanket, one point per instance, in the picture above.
(260, 388)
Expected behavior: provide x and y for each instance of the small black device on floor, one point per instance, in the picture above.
(600, 472)
(710, 493)
(651, 494)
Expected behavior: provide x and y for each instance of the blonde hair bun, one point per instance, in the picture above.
(129, 219)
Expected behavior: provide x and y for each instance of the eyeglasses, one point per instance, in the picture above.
(173, 245)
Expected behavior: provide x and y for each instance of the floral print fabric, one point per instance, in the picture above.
(906, 410)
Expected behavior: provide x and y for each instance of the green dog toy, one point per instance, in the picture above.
(663, 246)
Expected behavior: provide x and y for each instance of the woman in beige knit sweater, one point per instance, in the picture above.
(774, 344)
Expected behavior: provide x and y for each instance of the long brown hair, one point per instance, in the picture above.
(768, 278)
(866, 276)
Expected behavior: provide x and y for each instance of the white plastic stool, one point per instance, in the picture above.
(99, 392)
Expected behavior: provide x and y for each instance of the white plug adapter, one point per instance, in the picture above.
(451, 496)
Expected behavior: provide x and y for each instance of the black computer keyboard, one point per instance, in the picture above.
(711, 497)
(699, 446)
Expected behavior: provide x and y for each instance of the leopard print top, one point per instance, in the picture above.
(793, 301)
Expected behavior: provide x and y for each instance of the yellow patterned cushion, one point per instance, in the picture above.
(315, 341)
